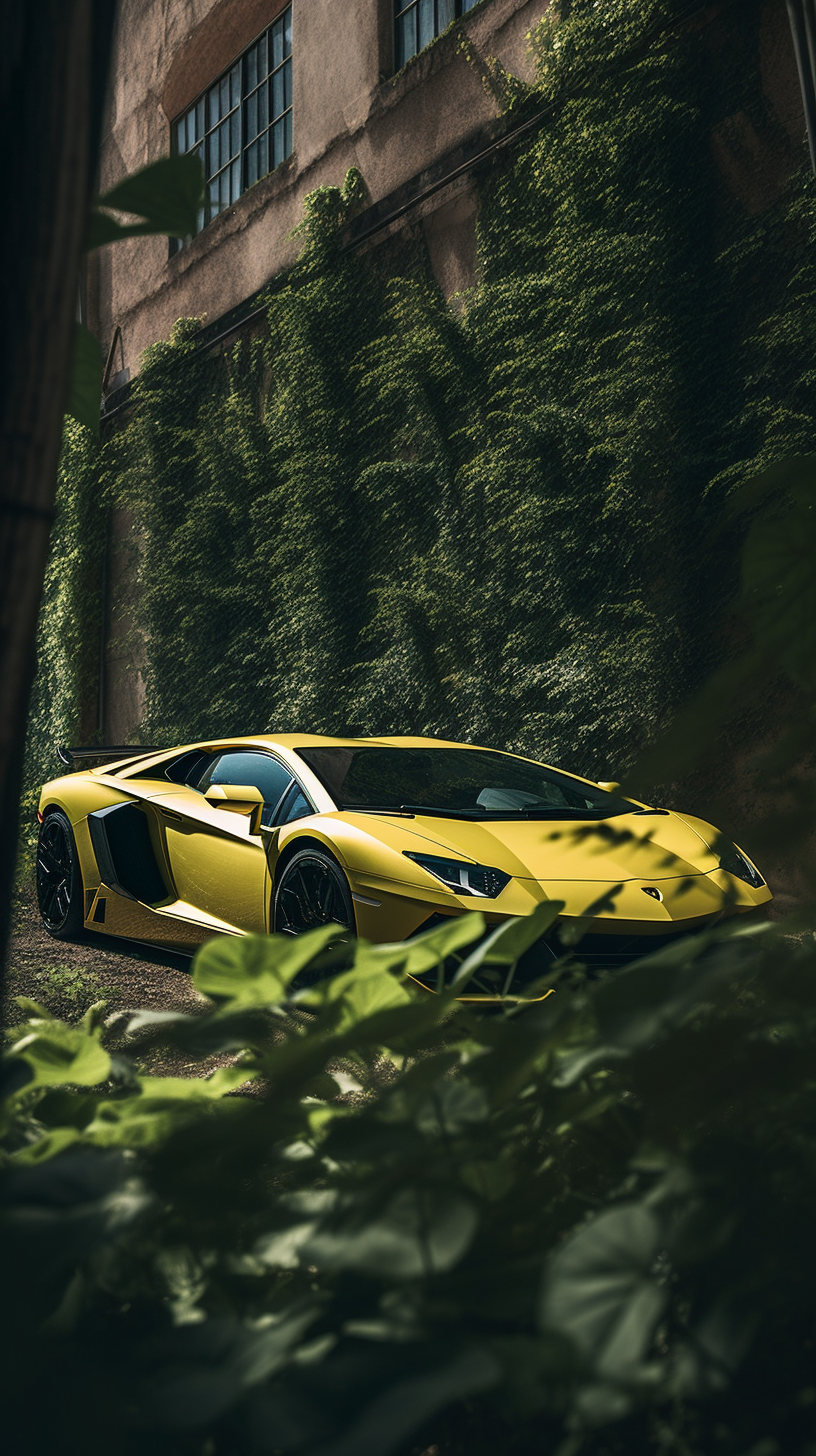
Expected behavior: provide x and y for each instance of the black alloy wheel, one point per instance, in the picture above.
(59, 882)
(312, 891)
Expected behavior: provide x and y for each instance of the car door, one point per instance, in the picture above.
(217, 865)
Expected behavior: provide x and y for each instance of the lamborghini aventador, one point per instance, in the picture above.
(385, 836)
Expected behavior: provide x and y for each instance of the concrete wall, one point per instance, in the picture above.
(349, 110)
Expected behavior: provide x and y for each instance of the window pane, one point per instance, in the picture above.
(252, 69)
(180, 135)
(262, 155)
(287, 84)
(256, 114)
(235, 133)
(406, 37)
(287, 32)
(224, 148)
(199, 119)
(252, 173)
(426, 22)
(445, 13)
(295, 806)
(214, 106)
(468, 5)
(278, 143)
(259, 770)
(224, 95)
(212, 199)
(277, 43)
(287, 134)
(235, 180)
(235, 84)
(261, 48)
(278, 104)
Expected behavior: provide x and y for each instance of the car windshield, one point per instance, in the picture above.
(471, 783)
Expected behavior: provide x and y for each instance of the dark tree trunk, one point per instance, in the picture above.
(53, 66)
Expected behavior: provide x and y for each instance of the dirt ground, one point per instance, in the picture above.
(66, 977)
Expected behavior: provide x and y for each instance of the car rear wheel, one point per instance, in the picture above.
(59, 881)
(312, 891)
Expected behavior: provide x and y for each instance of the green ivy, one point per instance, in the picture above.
(496, 522)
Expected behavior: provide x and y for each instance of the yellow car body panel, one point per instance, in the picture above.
(195, 868)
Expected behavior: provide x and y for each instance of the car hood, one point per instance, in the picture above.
(629, 846)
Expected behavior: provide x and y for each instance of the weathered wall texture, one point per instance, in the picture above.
(349, 111)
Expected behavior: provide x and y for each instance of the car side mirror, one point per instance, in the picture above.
(238, 799)
(610, 786)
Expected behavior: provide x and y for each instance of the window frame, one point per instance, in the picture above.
(227, 130)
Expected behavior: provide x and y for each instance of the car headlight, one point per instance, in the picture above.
(465, 879)
(734, 862)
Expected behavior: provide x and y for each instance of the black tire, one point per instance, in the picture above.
(312, 891)
(59, 880)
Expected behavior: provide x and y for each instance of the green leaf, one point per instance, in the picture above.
(508, 942)
(600, 1291)
(166, 195)
(59, 1054)
(86, 379)
(420, 1231)
(354, 996)
(257, 970)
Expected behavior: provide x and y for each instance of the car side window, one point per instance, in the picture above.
(260, 770)
(294, 806)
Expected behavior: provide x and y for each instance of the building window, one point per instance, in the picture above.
(242, 126)
(418, 21)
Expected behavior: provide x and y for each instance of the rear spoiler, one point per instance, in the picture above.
(73, 757)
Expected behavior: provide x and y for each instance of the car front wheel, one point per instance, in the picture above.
(312, 891)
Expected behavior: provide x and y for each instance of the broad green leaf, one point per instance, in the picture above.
(420, 1231)
(47, 1147)
(196, 1089)
(424, 952)
(86, 379)
(58, 1054)
(355, 995)
(508, 942)
(166, 195)
(162, 1105)
(454, 1105)
(601, 1292)
(257, 970)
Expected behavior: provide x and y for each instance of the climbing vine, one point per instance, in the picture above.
(500, 521)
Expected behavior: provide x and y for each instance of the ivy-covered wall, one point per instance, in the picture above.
(498, 521)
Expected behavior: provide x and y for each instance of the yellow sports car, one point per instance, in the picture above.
(386, 836)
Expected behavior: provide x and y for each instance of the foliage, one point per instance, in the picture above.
(503, 523)
(71, 624)
(585, 1226)
(164, 198)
